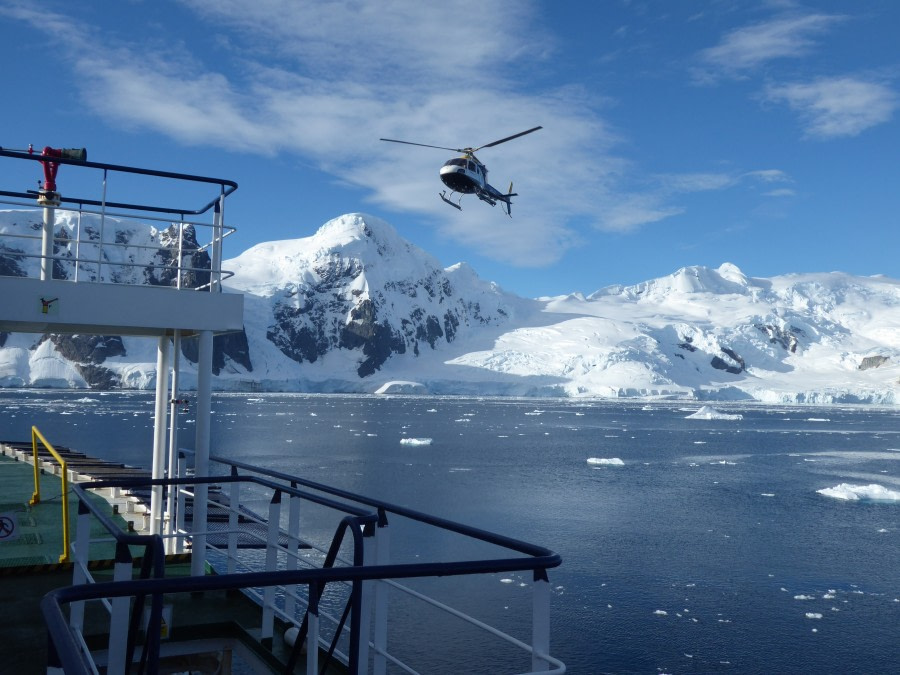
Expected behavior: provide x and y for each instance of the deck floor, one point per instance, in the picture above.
(31, 542)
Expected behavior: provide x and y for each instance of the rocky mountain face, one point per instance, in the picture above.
(356, 286)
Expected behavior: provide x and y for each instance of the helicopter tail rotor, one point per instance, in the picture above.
(508, 200)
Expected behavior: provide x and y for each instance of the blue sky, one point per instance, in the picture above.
(675, 133)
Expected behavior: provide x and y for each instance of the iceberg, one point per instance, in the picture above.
(710, 413)
(403, 387)
(605, 461)
(855, 493)
(415, 441)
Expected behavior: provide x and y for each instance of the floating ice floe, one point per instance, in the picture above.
(415, 441)
(661, 612)
(605, 461)
(869, 493)
(710, 413)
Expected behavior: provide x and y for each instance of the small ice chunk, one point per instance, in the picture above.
(709, 413)
(661, 612)
(605, 461)
(813, 615)
(415, 441)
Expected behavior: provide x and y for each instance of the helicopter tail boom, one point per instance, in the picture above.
(492, 195)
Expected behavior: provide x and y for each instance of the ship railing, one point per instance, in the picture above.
(91, 249)
(125, 616)
(124, 619)
(290, 586)
(536, 560)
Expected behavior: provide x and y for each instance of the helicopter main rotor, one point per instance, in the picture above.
(467, 151)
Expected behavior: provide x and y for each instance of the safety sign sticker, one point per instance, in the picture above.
(9, 530)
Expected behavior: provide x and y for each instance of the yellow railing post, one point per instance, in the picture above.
(36, 497)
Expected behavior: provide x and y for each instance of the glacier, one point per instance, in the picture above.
(355, 308)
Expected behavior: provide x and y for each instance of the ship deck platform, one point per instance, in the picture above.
(31, 543)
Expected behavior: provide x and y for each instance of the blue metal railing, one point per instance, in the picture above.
(363, 517)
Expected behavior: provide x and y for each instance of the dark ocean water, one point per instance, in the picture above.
(708, 549)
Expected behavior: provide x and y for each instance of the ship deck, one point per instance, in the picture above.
(30, 548)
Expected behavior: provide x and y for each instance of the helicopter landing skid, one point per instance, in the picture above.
(455, 205)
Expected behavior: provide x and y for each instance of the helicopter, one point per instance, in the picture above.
(468, 175)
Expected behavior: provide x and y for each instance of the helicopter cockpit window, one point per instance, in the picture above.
(472, 166)
(459, 161)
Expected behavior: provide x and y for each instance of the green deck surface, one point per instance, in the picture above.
(29, 561)
(33, 535)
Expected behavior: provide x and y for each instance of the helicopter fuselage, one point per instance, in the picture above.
(465, 175)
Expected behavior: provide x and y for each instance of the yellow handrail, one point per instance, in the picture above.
(36, 497)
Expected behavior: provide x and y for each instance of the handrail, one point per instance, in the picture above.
(207, 480)
(67, 651)
(79, 261)
(466, 530)
(36, 497)
(50, 200)
(226, 187)
(360, 522)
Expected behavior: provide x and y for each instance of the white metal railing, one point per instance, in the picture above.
(86, 254)
(103, 251)
(376, 552)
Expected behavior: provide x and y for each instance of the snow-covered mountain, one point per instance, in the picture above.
(355, 308)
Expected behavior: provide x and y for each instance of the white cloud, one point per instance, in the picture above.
(633, 212)
(769, 176)
(750, 47)
(838, 106)
(392, 40)
(696, 182)
(780, 192)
